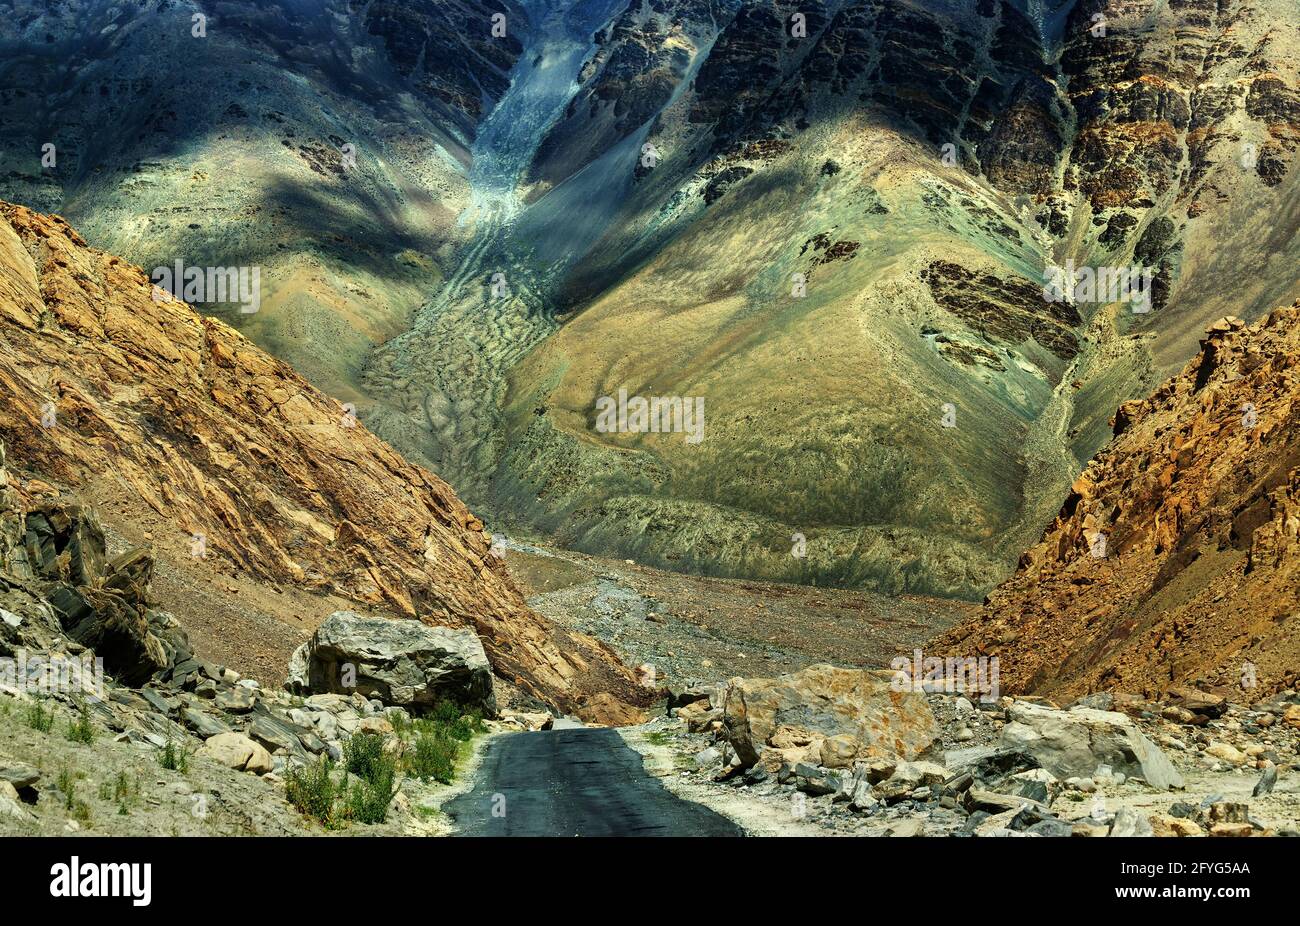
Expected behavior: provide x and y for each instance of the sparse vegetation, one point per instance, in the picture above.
(430, 748)
(401, 722)
(81, 812)
(433, 757)
(39, 717)
(368, 800)
(317, 792)
(363, 755)
(313, 791)
(80, 729)
(437, 741)
(122, 789)
(67, 786)
(174, 757)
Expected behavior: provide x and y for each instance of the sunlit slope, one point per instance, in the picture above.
(824, 415)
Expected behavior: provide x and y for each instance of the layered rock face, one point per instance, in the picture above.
(1175, 558)
(104, 377)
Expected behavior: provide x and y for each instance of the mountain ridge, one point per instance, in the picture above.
(105, 379)
(1172, 560)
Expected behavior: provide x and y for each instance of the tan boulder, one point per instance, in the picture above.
(1227, 752)
(234, 750)
(605, 710)
(867, 716)
(1163, 824)
(699, 716)
(839, 751)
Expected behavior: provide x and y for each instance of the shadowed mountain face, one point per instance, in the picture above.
(325, 142)
(827, 222)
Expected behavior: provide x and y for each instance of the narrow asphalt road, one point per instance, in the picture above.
(581, 782)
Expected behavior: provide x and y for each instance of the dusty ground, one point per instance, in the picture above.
(695, 628)
(769, 809)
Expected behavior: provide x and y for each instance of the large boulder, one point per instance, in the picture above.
(848, 713)
(1074, 743)
(400, 662)
(234, 750)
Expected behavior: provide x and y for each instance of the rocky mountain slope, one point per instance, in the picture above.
(246, 463)
(824, 158)
(1174, 558)
(830, 222)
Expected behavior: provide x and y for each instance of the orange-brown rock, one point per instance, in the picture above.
(1176, 557)
(221, 439)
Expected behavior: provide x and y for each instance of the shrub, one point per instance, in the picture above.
(80, 729)
(445, 713)
(121, 790)
(368, 799)
(433, 757)
(448, 716)
(40, 719)
(401, 722)
(174, 758)
(67, 785)
(363, 755)
(313, 791)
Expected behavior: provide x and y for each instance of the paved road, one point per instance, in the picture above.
(584, 782)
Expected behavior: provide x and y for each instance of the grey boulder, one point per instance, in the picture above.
(1074, 743)
(397, 661)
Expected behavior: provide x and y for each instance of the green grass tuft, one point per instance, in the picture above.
(40, 718)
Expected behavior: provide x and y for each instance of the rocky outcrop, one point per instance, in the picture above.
(1026, 767)
(59, 591)
(1175, 559)
(827, 714)
(1077, 742)
(101, 377)
(458, 68)
(400, 663)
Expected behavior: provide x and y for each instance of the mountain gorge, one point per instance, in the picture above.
(828, 221)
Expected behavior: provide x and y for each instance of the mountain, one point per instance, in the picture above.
(830, 222)
(108, 387)
(325, 143)
(1174, 558)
